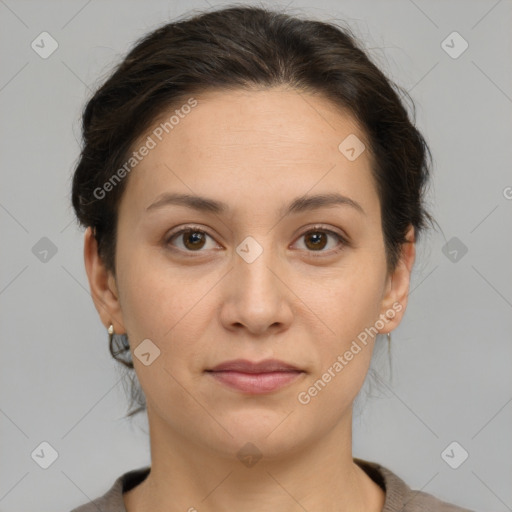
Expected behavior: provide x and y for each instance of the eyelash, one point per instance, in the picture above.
(316, 229)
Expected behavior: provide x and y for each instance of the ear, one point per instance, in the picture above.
(397, 285)
(102, 284)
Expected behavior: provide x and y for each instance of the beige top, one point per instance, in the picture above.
(399, 497)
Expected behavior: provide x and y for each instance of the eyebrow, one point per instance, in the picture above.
(298, 205)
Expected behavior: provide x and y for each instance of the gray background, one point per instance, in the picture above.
(451, 356)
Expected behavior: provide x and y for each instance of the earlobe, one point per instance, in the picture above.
(102, 285)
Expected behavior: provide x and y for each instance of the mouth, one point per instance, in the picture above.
(255, 378)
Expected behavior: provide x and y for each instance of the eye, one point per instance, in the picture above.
(316, 240)
(193, 239)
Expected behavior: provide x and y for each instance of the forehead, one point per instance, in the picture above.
(241, 145)
(273, 119)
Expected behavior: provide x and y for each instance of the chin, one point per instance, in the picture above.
(252, 434)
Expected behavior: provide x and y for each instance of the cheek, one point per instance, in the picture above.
(345, 349)
(348, 309)
(346, 300)
(164, 305)
(173, 308)
(156, 295)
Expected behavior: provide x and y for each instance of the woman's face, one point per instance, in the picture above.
(253, 279)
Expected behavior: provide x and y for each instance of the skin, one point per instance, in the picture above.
(257, 151)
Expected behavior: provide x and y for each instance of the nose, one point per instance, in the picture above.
(257, 297)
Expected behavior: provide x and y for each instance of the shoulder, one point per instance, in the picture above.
(112, 500)
(400, 497)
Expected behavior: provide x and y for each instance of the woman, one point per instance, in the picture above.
(252, 189)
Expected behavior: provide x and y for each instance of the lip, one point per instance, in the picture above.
(246, 366)
(255, 378)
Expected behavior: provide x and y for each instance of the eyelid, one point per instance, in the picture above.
(185, 229)
(325, 228)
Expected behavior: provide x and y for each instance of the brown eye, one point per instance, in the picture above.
(192, 239)
(317, 239)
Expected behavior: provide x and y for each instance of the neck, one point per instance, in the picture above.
(186, 476)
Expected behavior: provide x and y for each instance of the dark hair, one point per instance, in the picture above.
(245, 47)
